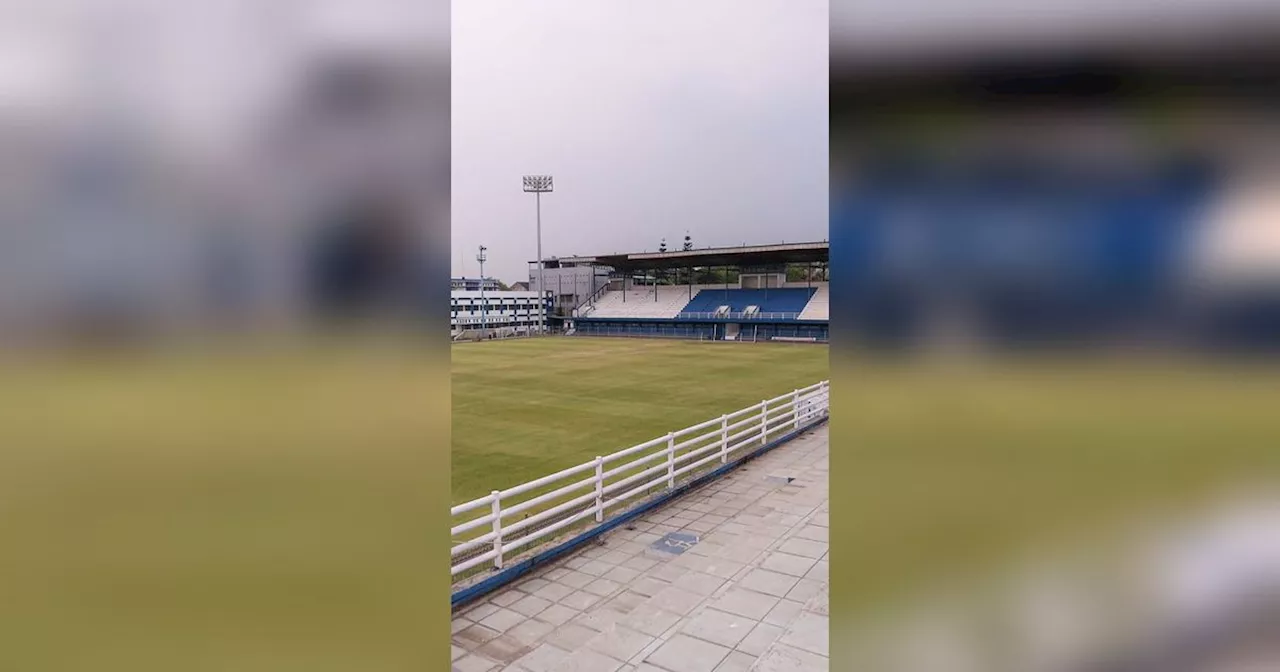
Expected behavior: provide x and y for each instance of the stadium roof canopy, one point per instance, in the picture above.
(747, 255)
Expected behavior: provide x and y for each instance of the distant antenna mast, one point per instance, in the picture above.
(484, 316)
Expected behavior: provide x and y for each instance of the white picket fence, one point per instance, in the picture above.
(554, 503)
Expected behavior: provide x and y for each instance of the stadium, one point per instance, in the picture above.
(757, 293)
(677, 402)
(748, 293)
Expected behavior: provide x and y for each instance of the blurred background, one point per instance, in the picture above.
(1056, 304)
(221, 223)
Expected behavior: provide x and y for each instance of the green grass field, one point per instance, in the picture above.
(951, 472)
(523, 409)
(258, 509)
(277, 509)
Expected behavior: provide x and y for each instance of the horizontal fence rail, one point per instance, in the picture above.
(738, 316)
(506, 524)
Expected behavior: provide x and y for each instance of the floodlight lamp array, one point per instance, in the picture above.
(537, 183)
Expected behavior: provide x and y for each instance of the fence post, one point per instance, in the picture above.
(764, 421)
(671, 460)
(795, 410)
(724, 439)
(599, 488)
(497, 529)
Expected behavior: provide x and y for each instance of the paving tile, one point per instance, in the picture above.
(570, 636)
(502, 620)
(649, 649)
(481, 610)
(474, 663)
(821, 603)
(701, 525)
(585, 660)
(530, 605)
(505, 649)
(809, 632)
(531, 586)
(530, 632)
(667, 572)
(609, 606)
(599, 619)
(544, 658)
(768, 582)
(626, 602)
(593, 552)
(580, 600)
(785, 563)
(723, 568)
(602, 587)
(804, 590)
(620, 642)
(505, 598)
(719, 627)
(683, 653)
(555, 573)
(615, 557)
(804, 547)
(690, 561)
(743, 602)
(640, 563)
(553, 592)
(622, 574)
(736, 661)
(760, 638)
(676, 600)
(650, 620)
(595, 568)
(647, 585)
(781, 658)
(813, 533)
(558, 614)
(631, 548)
(576, 580)
(697, 582)
(474, 636)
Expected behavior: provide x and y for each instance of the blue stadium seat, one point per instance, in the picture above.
(777, 300)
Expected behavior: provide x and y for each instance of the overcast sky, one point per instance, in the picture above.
(654, 118)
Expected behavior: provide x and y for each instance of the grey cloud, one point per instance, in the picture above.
(655, 118)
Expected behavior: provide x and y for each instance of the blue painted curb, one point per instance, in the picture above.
(529, 564)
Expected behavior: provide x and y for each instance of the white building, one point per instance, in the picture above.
(510, 312)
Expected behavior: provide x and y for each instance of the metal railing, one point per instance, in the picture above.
(738, 316)
(484, 534)
(591, 300)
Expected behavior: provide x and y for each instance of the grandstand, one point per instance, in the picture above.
(760, 293)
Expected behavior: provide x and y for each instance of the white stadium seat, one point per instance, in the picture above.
(818, 307)
(641, 303)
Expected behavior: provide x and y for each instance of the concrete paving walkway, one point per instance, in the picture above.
(729, 578)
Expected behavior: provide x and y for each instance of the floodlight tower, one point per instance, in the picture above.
(538, 184)
(484, 307)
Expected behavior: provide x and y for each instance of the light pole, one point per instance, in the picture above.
(484, 307)
(539, 184)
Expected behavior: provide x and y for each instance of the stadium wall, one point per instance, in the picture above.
(707, 330)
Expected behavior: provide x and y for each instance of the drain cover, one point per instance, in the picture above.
(674, 543)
